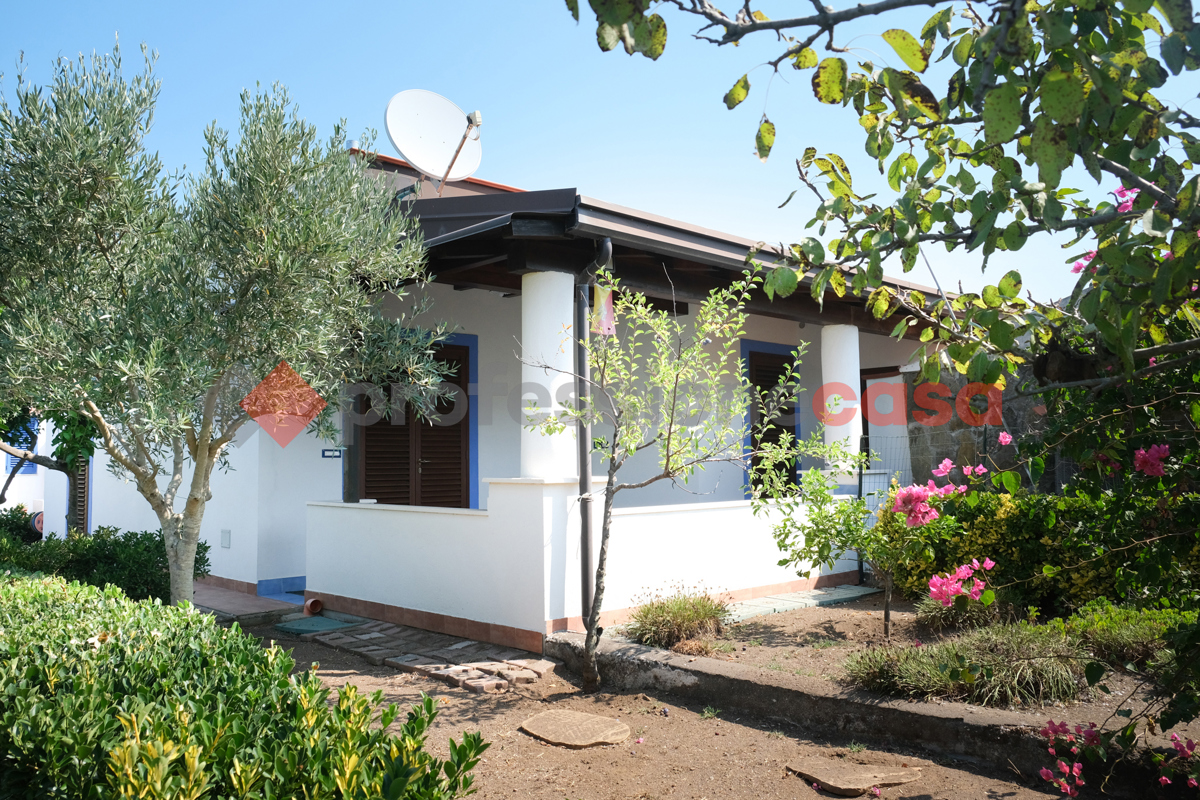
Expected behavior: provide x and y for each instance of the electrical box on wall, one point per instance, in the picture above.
(226, 536)
(331, 453)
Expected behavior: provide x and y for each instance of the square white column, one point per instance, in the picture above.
(841, 381)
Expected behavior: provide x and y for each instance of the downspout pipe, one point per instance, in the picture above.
(583, 432)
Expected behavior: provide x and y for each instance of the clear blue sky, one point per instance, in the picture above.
(557, 112)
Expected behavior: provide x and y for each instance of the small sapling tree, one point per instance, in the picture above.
(670, 387)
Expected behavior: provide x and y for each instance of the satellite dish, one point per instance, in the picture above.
(434, 135)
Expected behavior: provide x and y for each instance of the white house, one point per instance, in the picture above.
(475, 526)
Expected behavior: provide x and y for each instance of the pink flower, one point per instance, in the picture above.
(917, 643)
(981, 470)
(1153, 361)
(638, 740)
(875, 791)
(1192, 783)
(988, 563)
(913, 501)
(1083, 262)
(1164, 780)
(1046, 774)
(1062, 767)
(944, 468)
(1076, 768)
(1005, 437)
(968, 470)
(1150, 461)
(1127, 198)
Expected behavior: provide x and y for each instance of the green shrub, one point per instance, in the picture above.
(935, 616)
(1121, 635)
(14, 523)
(1021, 533)
(665, 621)
(999, 665)
(136, 561)
(103, 697)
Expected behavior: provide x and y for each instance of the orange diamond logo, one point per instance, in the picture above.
(283, 404)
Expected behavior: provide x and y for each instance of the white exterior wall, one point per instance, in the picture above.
(481, 565)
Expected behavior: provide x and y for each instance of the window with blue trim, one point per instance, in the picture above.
(26, 441)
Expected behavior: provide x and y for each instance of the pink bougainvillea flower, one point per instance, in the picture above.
(968, 470)
(1153, 361)
(988, 563)
(975, 563)
(1164, 780)
(943, 469)
(1078, 266)
(1046, 774)
(1076, 768)
(981, 470)
(1127, 198)
(1192, 783)
(875, 791)
(1062, 767)
(1005, 437)
(1150, 461)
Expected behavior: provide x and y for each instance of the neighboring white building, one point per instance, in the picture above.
(475, 528)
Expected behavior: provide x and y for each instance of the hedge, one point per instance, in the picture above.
(105, 697)
(136, 561)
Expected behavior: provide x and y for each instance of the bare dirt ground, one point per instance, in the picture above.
(685, 753)
(810, 645)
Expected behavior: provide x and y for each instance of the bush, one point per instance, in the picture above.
(685, 614)
(1121, 635)
(1000, 665)
(1022, 533)
(935, 616)
(136, 561)
(104, 697)
(14, 523)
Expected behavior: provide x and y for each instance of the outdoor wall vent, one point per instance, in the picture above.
(226, 537)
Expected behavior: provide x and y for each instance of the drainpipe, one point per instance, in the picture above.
(583, 433)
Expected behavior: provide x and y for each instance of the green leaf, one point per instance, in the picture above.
(962, 49)
(1177, 12)
(1050, 571)
(764, 140)
(1037, 466)
(806, 160)
(1011, 482)
(1093, 672)
(829, 81)
(908, 48)
(1001, 113)
(921, 97)
(738, 93)
(1014, 239)
(1174, 52)
(573, 7)
(805, 59)
(649, 36)
(785, 280)
(789, 198)
(1062, 96)
(1001, 335)
(1051, 150)
(988, 597)
(607, 36)
(614, 12)
(1010, 284)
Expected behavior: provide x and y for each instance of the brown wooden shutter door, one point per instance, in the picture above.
(410, 461)
(765, 372)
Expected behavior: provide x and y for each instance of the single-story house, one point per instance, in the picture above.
(471, 527)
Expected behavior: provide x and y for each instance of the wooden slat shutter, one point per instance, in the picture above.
(765, 371)
(443, 454)
(409, 461)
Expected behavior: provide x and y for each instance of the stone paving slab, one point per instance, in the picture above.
(475, 666)
(776, 604)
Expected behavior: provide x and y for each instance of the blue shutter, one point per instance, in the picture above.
(28, 468)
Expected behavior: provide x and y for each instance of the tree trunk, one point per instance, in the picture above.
(75, 511)
(180, 535)
(591, 670)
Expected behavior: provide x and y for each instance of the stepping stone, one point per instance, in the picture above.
(457, 676)
(414, 663)
(848, 779)
(488, 667)
(310, 627)
(368, 635)
(575, 729)
(486, 685)
(538, 665)
(518, 676)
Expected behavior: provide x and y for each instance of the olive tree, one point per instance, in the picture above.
(152, 303)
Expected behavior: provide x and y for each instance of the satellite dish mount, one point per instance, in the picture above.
(427, 131)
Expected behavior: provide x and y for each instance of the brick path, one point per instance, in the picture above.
(475, 666)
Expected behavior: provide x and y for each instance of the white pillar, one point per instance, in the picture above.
(840, 364)
(547, 337)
